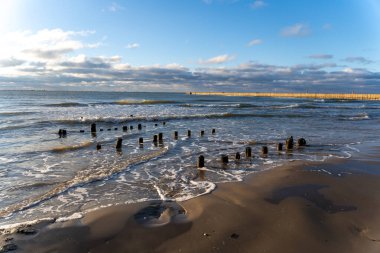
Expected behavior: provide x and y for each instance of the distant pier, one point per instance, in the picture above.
(350, 96)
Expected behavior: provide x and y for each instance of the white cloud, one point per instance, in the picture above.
(218, 59)
(258, 4)
(133, 45)
(358, 59)
(114, 7)
(321, 56)
(296, 30)
(255, 42)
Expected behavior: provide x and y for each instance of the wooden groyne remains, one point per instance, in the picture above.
(342, 96)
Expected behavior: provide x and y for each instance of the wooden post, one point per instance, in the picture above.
(279, 146)
(139, 126)
(93, 128)
(125, 128)
(115, 128)
(164, 123)
(175, 135)
(62, 133)
(141, 141)
(155, 124)
(119, 144)
(237, 156)
(202, 132)
(224, 159)
(101, 129)
(248, 152)
(213, 131)
(98, 146)
(188, 133)
(201, 161)
(301, 142)
(131, 127)
(264, 150)
(289, 143)
(160, 137)
(82, 131)
(155, 137)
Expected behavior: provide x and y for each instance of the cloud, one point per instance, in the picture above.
(11, 62)
(358, 59)
(321, 56)
(296, 30)
(114, 7)
(133, 45)
(258, 4)
(42, 45)
(255, 42)
(36, 62)
(218, 59)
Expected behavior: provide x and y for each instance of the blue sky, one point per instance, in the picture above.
(181, 45)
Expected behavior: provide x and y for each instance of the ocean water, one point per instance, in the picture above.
(43, 176)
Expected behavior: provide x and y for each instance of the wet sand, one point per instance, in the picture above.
(302, 207)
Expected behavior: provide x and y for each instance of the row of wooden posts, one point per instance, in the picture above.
(63, 132)
(289, 144)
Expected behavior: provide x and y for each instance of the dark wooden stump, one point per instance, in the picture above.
(119, 144)
(201, 161)
(301, 142)
(224, 159)
(248, 152)
(279, 146)
(93, 128)
(264, 150)
(237, 156)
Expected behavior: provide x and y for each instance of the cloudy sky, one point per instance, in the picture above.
(190, 45)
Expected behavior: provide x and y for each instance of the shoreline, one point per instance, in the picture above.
(292, 208)
(342, 96)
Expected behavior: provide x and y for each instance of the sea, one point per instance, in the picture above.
(45, 176)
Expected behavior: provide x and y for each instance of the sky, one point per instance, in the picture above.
(191, 45)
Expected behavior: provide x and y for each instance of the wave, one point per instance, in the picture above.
(126, 119)
(84, 177)
(67, 104)
(9, 114)
(143, 102)
(71, 147)
(363, 116)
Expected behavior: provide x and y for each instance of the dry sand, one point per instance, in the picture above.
(294, 208)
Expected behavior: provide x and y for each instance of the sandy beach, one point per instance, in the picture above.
(304, 206)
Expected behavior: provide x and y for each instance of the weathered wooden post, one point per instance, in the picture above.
(155, 124)
(224, 159)
(248, 152)
(101, 129)
(279, 146)
(237, 156)
(139, 126)
(109, 129)
(213, 131)
(164, 123)
(125, 128)
(202, 132)
(98, 146)
(119, 144)
(81, 131)
(289, 143)
(62, 133)
(201, 161)
(141, 141)
(131, 127)
(93, 128)
(188, 133)
(264, 150)
(160, 137)
(175, 135)
(155, 138)
(115, 128)
(301, 142)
